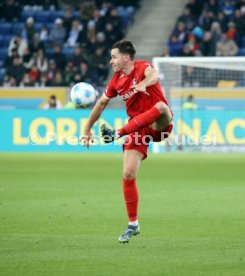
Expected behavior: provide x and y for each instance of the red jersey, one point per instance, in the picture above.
(137, 102)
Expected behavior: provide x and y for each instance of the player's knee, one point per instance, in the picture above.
(162, 107)
(129, 174)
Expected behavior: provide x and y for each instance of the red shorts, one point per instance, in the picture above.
(140, 140)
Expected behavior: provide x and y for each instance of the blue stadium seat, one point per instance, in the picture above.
(25, 14)
(49, 52)
(76, 14)
(56, 14)
(6, 40)
(42, 16)
(241, 52)
(5, 28)
(17, 27)
(1, 40)
(3, 53)
(38, 26)
(243, 41)
(1, 63)
(49, 26)
(68, 51)
(1, 75)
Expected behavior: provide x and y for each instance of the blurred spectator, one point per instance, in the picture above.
(239, 21)
(53, 103)
(44, 34)
(68, 73)
(18, 44)
(57, 34)
(29, 30)
(36, 44)
(78, 57)
(27, 59)
(17, 70)
(59, 58)
(195, 7)
(187, 51)
(226, 46)
(231, 33)
(26, 81)
(180, 32)
(88, 74)
(208, 45)
(10, 10)
(100, 42)
(67, 19)
(51, 71)
(99, 20)
(190, 104)
(43, 81)
(193, 44)
(228, 9)
(240, 5)
(86, 10)
(34, 74)
(198, 33)
(212, 6)
(76, 77)
(100, 63)
(90, 37)
(42, 62)
(112, 35)
(206, 19)
(74, 33)
(187, 18)
(114, 19)
(175, 46)
(223, 21)
(8, 61)
(9, 81)
(58, 80)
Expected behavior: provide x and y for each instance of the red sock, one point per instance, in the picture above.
(140, 121)
(131, 198)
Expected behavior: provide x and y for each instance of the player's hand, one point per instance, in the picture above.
(87, 138)
(141, 87)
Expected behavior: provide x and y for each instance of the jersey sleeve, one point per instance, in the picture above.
(110, 92)
(145, 65)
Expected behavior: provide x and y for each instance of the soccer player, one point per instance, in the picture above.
(137, 82)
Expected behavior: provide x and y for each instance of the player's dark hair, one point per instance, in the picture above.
(125, 47)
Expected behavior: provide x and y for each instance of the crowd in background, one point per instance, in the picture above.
(59, 44)
(209, 28)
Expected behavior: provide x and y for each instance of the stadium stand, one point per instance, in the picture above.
(209, 28)
(59, 29)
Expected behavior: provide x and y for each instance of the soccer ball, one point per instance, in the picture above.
(83, 94)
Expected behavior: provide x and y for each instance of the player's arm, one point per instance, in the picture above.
(94, 116)
(97, 110)
(151, 77)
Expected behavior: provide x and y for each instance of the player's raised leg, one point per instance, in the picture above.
(165, 118)
(131, 164)
(159, 114)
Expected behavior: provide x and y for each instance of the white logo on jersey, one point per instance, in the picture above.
(120, 90)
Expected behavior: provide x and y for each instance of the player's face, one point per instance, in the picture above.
(118, 60)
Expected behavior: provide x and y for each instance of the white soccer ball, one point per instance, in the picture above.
(83, 94)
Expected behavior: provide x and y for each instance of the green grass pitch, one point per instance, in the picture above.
(61, 214)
